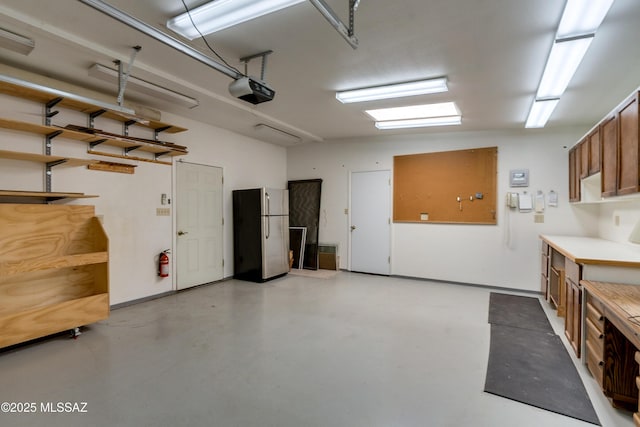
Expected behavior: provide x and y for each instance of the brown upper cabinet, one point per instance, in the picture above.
(611, 148)
(594, 151)
(628, 147)
(584, 158)
(574, 173)
(609, 130)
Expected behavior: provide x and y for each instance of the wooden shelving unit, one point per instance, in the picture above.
(53, 270)
(128, 145)
(53, 98)
(45, 96)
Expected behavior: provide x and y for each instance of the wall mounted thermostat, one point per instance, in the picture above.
(519, 178)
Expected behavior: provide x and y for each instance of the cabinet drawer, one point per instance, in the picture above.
(595, 337)
(595, 316)
(572, 270)
(595, 364)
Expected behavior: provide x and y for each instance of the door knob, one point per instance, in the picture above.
(353, 227)
(182, 233)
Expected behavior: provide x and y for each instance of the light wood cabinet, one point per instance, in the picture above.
(573, 300)
(53, 270)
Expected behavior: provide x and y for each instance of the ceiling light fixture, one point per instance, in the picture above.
(443, 109)
(441, 114)
(414, 123)
(564, 59)
(220, 14)
(540, 112)
(580, 20)
(398, 90)
(582, 17)
(142, 86)
(16, 42)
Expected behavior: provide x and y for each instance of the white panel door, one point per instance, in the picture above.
(199, 250)
(371, 222)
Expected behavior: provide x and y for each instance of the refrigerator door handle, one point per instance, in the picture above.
(268, 213)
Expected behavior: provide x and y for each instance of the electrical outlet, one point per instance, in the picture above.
(163, 212)
(616, 220)
(346, 211)
(538, 219)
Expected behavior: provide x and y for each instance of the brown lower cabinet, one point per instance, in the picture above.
(573, 302)
(610, 356)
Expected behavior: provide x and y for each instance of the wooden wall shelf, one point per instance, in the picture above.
(41, 158)
(44, 96)
(94, 139)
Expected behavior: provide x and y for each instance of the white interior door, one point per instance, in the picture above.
(371, 222)
(199, 248)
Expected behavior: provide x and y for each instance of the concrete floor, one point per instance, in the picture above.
(354, 350)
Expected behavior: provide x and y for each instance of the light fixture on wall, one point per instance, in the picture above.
(142, 86)
(16, 42)
(275, 135)
(398, 90)
(440, 114)
(578, 25)
(220, 14)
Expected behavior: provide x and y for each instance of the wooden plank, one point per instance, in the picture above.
(23, 266)
(121, 156)
(113, 167)
(42, 321)
(32, 231)
(41, 158)
(44, 194)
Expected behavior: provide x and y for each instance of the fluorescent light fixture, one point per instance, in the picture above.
(415, 112)
(142, 86)
(564, 59)
(540, 113)
(16, 42)
(582, 17)
(399, 90)
(424, 122)
(220, 14)
(277, 135)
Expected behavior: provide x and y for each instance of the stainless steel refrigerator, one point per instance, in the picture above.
(260, 234)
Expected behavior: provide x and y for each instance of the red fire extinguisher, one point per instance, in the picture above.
(163, 264)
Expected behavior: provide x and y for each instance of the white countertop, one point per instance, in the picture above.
(590, 250)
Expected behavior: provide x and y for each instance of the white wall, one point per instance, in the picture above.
(505, 255)
(128, 203)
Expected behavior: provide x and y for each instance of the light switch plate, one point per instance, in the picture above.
(163, 212)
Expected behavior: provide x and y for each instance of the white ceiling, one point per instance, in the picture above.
(491, 51)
